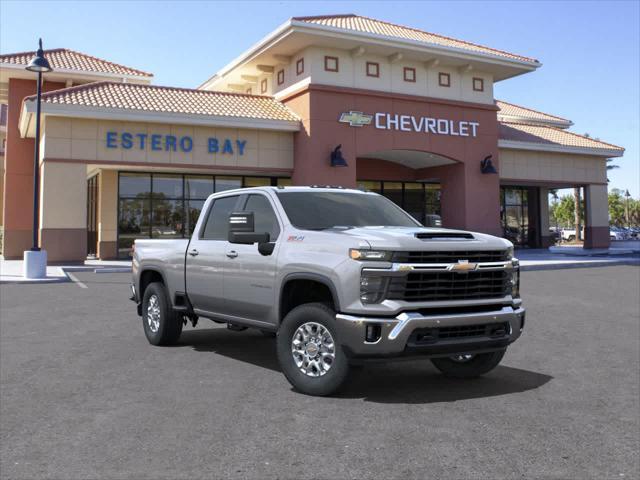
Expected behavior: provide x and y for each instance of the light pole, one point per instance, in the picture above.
(626, 207)
(35, 260)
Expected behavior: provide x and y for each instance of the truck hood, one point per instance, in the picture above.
(417, 238)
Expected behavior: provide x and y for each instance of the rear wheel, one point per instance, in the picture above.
(309, 351)
(161, 324)
(468, 366)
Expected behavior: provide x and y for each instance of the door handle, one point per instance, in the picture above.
(232, 254)
(193, 253)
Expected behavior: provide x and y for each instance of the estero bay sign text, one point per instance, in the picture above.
(171, 143)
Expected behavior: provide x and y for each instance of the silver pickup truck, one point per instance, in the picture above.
(338, 276)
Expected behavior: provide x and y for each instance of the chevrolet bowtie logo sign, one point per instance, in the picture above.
(356, 119)
(463, 266)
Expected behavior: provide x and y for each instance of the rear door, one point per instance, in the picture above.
(249, 278)
(206, 256)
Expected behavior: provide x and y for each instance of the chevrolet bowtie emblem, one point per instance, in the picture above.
(463, 266)
(355, 119)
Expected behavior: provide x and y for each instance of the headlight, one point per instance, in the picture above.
(373, 288)
(375, 255)
(515, 280)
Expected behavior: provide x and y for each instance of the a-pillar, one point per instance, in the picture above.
(63, 211)
(546, 240)
(596, 217)
(107, 214)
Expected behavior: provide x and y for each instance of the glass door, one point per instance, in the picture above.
(92, 216)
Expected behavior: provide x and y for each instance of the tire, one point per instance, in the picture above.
(571, 238)
(474, 367)
(322, 377)
(166, 328)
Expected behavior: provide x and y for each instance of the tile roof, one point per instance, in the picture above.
(544, 135)
(513, 110)
(152, 98)
(65, 59)
(370, 25)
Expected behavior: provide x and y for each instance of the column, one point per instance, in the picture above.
(108, 215)
(546, 240)
(596, 216)
(63, 211)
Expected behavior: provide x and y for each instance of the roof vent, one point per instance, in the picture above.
(444, 236)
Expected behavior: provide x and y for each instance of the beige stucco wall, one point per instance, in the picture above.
(352, 73)
(107, 206)
(85, 140)
(63, 195)
(552, 167)
(597, 211)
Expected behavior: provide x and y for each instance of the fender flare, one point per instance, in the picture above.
(316, 277)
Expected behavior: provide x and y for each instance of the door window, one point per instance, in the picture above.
(264, 216)
(217, 224)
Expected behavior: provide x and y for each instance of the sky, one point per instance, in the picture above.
(590, 51)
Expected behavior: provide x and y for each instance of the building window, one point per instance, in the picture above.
(373, 69)
(300, 66)
(248, 91)
(280, 77)
(168, 205)
(263, 86)
(409, 74)
(331, 64)
(478, 84)
(417, 198)
(444, 79)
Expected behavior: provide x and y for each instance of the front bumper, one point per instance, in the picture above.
(397, 336)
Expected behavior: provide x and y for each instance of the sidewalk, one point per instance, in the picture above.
(11, 270)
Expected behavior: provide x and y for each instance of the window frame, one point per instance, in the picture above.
(280, 76)
(407, 70)
(327, 59)
(377, 67)
(264, 85)
(441, 77)
(480, 81)
(300, 66)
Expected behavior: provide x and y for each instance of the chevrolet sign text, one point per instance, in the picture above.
(438, 126)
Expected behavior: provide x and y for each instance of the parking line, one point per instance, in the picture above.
(75, 280)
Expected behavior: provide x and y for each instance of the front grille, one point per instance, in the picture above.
(429, 336)
(444, 286)
(450, 257)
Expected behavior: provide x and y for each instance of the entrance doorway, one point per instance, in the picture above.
(519, 215)
(92, 216)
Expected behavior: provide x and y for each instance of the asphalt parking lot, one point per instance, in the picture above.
(83, 395)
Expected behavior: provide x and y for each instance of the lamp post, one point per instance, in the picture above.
(626, 208)
(35, 260)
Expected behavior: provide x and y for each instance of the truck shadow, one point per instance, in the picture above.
(401, 382)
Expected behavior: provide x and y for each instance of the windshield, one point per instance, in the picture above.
(322, 210)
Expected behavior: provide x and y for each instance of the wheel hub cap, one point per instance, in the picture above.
(153, 313)
(313, 349)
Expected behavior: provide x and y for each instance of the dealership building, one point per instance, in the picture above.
(333, 100)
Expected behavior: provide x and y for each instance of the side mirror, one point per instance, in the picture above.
(241, 229)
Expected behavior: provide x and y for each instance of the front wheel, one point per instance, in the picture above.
(161, 324)
(468, 366)
(309, 351)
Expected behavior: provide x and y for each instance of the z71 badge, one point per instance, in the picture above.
(295, 238)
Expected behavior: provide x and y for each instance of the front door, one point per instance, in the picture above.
(206, 257)
(249, 276)
(92, 216)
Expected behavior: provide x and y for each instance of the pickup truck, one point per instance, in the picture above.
(338, 276)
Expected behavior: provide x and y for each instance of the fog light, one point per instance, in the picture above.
(372, 289)
(372, 333)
